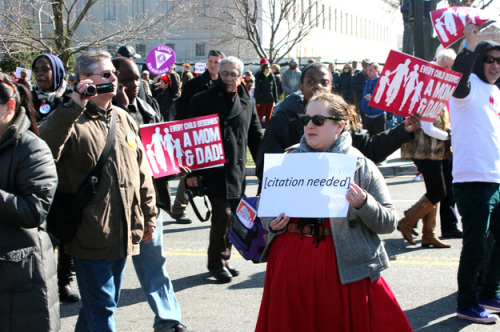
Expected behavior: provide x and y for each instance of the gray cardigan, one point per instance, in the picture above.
(360, 252)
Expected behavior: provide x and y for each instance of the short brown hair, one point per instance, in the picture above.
(187, 65)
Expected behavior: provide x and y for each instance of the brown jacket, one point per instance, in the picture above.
(112, 224)
(426, 147)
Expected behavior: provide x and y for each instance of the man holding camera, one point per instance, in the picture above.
(225, 185)
(122, 210)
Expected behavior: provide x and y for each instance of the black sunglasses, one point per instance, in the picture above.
(107, 74)
(491, 59)
(317, 120)
(215, 53)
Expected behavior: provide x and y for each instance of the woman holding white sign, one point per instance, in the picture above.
(323, 274)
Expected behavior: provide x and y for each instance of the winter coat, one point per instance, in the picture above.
(360, 252)
(112, 224)
(166, 101)
(29, 298)
(266, 91)
(240, 127)
(345, 87)
(198, 84)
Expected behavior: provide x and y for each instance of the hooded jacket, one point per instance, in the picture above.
(474, 115)
(463, 65)
(28, 181)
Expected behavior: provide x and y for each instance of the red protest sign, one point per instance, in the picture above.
(411, 85)
(195, 143)
(449, 23)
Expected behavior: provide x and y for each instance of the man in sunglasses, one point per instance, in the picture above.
(475, 119)
(192, 87)
(122, 209)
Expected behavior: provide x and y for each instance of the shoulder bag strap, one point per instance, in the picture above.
(94, 176)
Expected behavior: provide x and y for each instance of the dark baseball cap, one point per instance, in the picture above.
(128, 52)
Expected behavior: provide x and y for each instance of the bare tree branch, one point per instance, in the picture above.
(55, 26)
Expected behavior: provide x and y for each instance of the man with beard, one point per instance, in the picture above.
(290, 80)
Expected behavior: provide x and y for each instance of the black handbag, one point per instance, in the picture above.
(66, 211)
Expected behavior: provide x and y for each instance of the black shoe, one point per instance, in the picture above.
(67, 294)
(221, 274)
(179, 328)
(181, 218)
(234, 271)
(453, 234)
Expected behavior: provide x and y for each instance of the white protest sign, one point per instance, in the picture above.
(199, 67)
(20, 69)
(307, 185)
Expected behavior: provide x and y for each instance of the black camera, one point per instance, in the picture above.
(92, 90)
(192, 192)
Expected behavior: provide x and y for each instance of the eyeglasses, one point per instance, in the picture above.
(491, 59)
(317, 120)
(215, 53)
(232, 74)
(107, 74)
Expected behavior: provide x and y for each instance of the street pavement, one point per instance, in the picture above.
(423, 280)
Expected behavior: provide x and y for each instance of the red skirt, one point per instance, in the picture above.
(302, 292)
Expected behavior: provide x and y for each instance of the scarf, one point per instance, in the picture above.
(341, 145)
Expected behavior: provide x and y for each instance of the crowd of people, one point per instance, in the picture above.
(56, 138)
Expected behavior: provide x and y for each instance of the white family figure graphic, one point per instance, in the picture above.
(155, 151)
(400, 74)
(157, 142)
(410, 83)
(402, 78)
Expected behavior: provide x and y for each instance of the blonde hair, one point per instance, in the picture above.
(446, 54)
(276, 66)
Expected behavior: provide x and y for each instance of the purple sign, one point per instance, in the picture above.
(160, 59)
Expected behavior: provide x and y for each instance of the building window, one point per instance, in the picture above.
(323, 15)
(137, 7)
(330, 18)
(200, 49)
(110, 10)
(171, 45)
(141, 49)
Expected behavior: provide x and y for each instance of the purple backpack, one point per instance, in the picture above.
(246, 232)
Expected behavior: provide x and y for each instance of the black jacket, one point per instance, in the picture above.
(28, 181)
(265, 91)
(345, 87)
(196, 85)
(239, 127)
(284, 131)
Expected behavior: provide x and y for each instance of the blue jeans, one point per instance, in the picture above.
(100, 284)
(151, 270)
(479, 206)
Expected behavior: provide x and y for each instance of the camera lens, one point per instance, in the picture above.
(91, 90)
